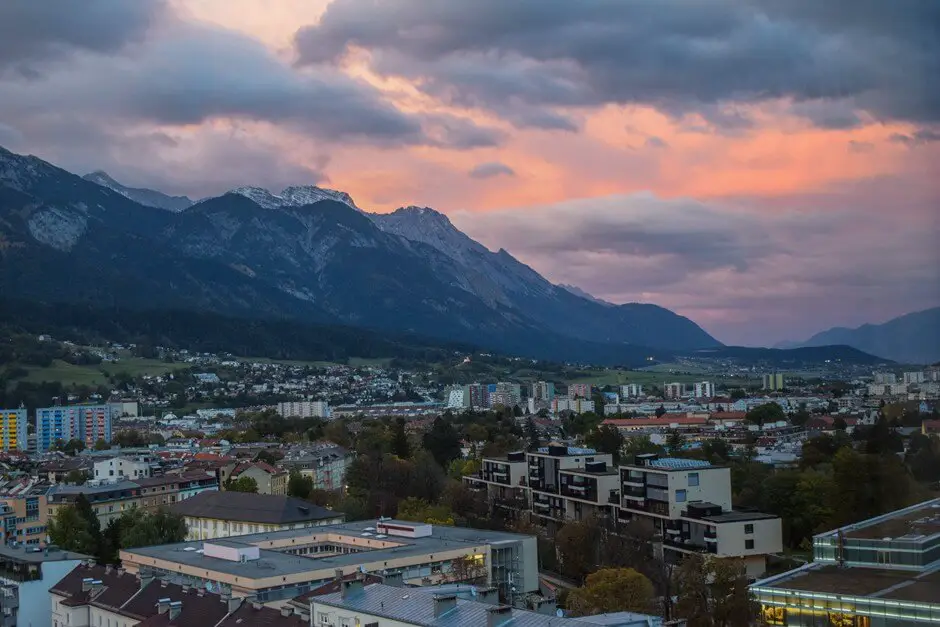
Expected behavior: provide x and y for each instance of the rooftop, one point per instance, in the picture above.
(913, 523)
(28, 554)
(252, 508)
(738, 516)
(273, 562)
(891, 585)
(677, 463)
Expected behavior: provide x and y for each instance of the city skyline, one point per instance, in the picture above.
(763, 168)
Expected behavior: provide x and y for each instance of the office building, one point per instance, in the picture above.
(631, 390)
(773, 382)
(579, 390)
(304, 409)
(13, 426)
(673, 390)
(284, 564)
(377, 604)
(881, 572)
(542, 391)
(213, 514)
(26, 576)
(88, 423)
(506, 394)
(704, 389)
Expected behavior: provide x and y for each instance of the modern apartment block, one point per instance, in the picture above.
(881, 572)
(24, 514)
(506, 394)
(88, 423)
(631, 390)
(673, 390)
(686, 502)
(773, 382)
(542, 391)
(13, 429)
(579, 390)
(703, 389)
(304, 409)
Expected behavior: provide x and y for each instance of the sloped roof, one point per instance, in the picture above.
(252, 508)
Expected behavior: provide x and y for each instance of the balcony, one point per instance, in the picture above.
(613, 498)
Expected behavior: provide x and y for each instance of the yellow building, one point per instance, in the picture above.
(13, 426)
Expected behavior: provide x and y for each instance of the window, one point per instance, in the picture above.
(680, 496)
(748, 529)
(693, 479)
(749, 543)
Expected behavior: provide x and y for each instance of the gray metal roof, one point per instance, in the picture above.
(274, 562)
(415, 606)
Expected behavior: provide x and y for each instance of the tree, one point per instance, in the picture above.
(801, 417)
(76, 477)
(737, 394)
(268, 457)
(140, 528)
(442, 441)
(732, 603)
(606, 439)
(675, 442)
(419, 510)
(578, 549)
(839, 424)
(101, 445)
(612, 590)
(299, 485)
(427, 478)
(660, 411)
(460, 468)
(400, 445)
(467, 569)
(765, 414)
(532, 434)
(692, 603)
(68, 529)
(242, 484)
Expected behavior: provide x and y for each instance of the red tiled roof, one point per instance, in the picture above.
(664, 421)
(728, 415)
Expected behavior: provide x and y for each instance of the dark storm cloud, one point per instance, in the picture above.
(34, 31)
(917, 138)
(490, 170)
(677, 55)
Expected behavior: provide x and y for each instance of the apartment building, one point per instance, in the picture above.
(26, 576)
(25, 515)
(577, 405)
(773, 382)
(211, 514)
(281, 565)
(13, 429)
(156, 492)
(542, 391)
(881, 572)
(554, 467)
(688, 503)
(579, 390)
(703, 389)
(122, 468)
(506, 394)
(631, 390)
(325, 466)
(304, 409)
(270, 480)
(673, 390)
(109, 499)
(88, 423)
(503, 479)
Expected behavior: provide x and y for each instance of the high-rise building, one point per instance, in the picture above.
(477, 396)
(13, 424)
(543, 391)
(506, 394)
(886, 377)
(913, 377)
(304, 409)
(579, 390)
(774, 382)
(631, 390)
(704, 389)
(88, 423)
(672, 390)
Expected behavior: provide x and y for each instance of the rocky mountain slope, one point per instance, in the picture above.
(148, 197)
(306, 253)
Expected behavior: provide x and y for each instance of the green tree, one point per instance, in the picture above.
(442, 441)
(578, 549)
(140, 528)
(101, 445)
(612, 590)
(242, 484)
(268, 456)
(839, 423)
(69, 530)
(532, 435)
(401, 447)
(419, 510)
(765, 414)
(299, 485)
(731, 601)
(675, 442)
(692, 602)
(606, 439)
(76, 477)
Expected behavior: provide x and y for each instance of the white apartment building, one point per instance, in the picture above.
(704, 389)
(304, 409)
(457, 398)
(887, 389)
(577, 405)
(117, 468)
(914, 377)
(885, 377)
(672, 390)
(631, 390)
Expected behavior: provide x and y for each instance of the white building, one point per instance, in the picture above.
(704, 389)
(122, 467)
(672, 390)
(577, 405)
(886, 377)
(457, 398)
(913, 377)
(631, 390)
(304, 409)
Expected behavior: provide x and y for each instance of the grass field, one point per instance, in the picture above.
(69, 374)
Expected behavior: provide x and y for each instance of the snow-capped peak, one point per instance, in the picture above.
(294, 196)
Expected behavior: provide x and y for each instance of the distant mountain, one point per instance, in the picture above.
(913, 338)
(308, 255)
(577, 291)
(147, 197)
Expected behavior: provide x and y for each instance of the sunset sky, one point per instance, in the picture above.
(768, 168)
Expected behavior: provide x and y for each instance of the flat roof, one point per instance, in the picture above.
(738, 516)
(920, 520)
(27, 554)
(879, 583)
(590, 473)
(273, 561)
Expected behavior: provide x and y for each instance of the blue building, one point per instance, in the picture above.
(88, 423)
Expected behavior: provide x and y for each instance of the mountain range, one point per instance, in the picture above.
(306, 254)
(913, 338)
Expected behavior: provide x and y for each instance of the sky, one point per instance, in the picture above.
(767, 168)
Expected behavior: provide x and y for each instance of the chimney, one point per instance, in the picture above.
(162, 606)
(351, 587)
(498, 616)
(286, 611)
(233, 603)
(395, 580)
(86, 584)
(490, 596)
(444, 603)
(338, 574)
(175, 608)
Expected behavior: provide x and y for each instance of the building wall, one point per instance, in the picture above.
(35, 607)
(267, 483)
(88, 423)
(210, 528)
(29, 518)
(767, 537)
(121, 467)
(13, 429)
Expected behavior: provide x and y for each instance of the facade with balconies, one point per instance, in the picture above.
(557, 490)
(503, 481)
